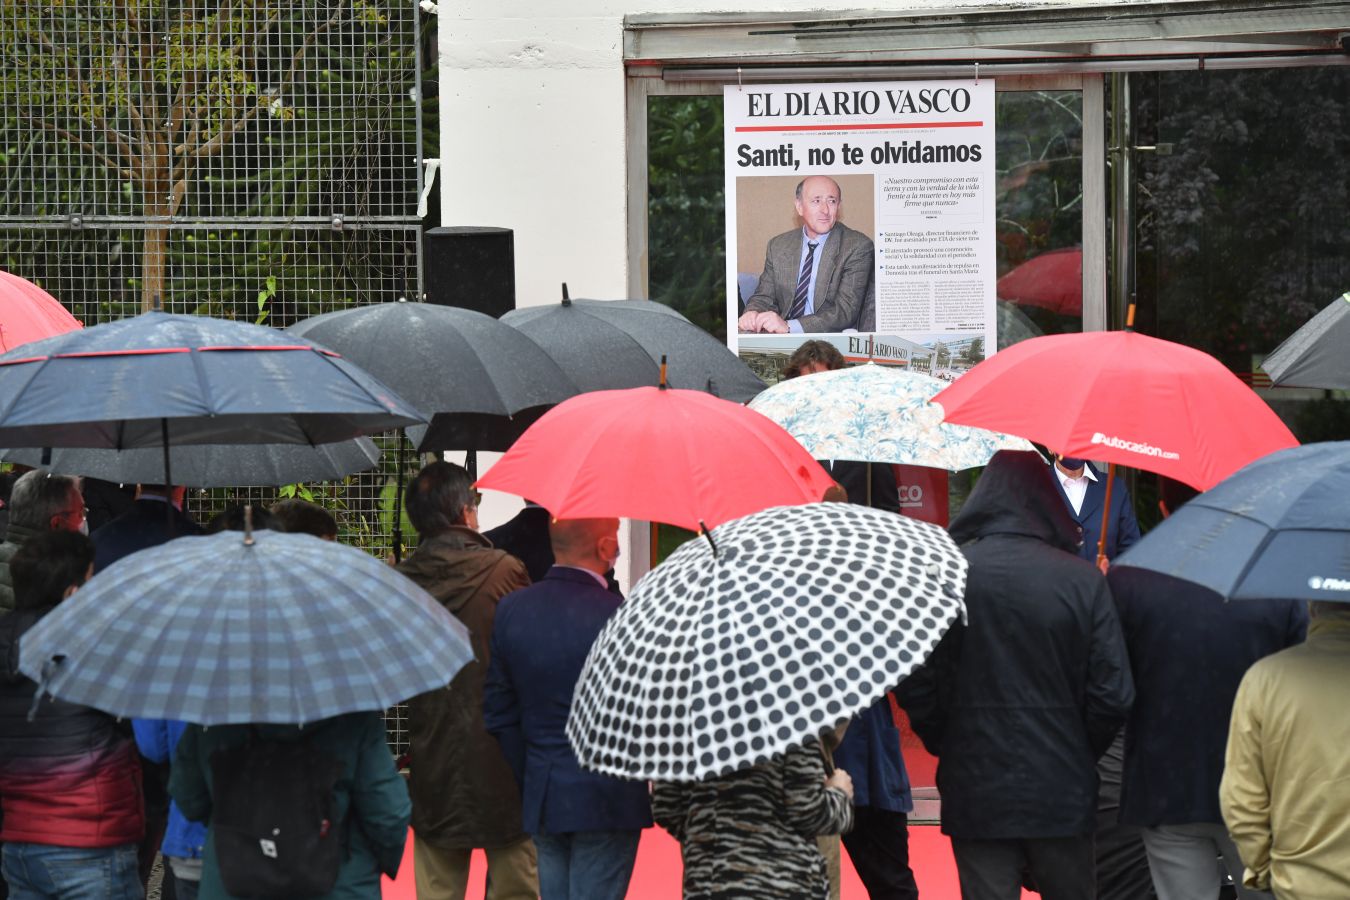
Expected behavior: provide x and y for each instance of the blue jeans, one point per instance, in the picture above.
(45, 872)
(586, 865)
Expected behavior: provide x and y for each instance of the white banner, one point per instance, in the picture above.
(862, 210)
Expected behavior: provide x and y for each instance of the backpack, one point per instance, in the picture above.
(273, 819)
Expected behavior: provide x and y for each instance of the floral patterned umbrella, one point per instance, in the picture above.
(878, 414)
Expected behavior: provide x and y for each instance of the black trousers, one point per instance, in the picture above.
(1061, 868)
(878, 845)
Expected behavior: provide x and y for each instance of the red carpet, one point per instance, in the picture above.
(657, 873)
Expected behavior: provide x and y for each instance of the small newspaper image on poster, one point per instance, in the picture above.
(862, 214)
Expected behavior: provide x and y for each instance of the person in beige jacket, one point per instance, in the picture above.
(1285, 793)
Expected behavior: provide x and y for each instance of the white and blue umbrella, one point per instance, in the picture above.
(878, 414)
(282, 628)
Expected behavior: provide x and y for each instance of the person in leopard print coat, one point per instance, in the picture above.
(753, 833)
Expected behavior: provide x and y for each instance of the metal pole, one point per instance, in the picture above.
(1122, 199)
(168, 477)
(398, 500)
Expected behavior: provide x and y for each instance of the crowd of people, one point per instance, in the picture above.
(1080, 718)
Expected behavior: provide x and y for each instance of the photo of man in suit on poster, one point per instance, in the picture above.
(818, 276)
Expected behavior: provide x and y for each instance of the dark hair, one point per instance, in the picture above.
(302, 517)
(45, 567)
(437, 497)
(37, 496)
(231, 518)
(813, 352)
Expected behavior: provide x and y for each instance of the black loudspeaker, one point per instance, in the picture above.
(470, 267)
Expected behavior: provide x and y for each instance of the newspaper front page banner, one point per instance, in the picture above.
(894, 183)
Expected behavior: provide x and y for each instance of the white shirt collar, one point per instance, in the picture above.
(1067, 480)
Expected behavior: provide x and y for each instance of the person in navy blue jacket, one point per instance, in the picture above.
(878, 844)
(1189, 649)
(1084, 491)
(585, 826)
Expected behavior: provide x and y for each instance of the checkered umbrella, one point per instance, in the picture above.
(801, 617)
(282, 628)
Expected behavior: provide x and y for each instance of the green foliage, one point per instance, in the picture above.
(243, 108)
(686, 209)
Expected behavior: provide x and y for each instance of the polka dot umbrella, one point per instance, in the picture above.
(779, 627)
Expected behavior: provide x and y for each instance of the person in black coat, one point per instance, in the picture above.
(1188, 650)
(143, 526)
(526, 538)
(1018, 704)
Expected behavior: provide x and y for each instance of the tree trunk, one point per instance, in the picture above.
(154, 250)
(158, 204)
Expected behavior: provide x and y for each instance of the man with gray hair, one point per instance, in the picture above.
(39, 502)
(1286, 778)
(463, 792)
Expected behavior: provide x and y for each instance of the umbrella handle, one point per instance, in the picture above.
(703, 529)
(1106, 514)
(398, 501)
(45, 676)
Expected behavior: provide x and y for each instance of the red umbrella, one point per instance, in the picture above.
(681, 457)
(1122, 397)
(1053, 281)
(28, 313)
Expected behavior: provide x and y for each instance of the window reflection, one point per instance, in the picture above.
(1242, 225)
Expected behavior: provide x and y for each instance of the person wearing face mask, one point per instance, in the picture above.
(1084, 491)
(585, 825)
(38, 503)
(526, 537)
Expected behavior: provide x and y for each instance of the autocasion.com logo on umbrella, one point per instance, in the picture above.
(1133, 446)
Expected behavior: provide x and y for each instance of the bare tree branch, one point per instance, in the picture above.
(85, 145)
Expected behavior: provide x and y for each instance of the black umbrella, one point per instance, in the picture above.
(1278, 527)
(160, 380)
(1316, 355)
(601, 344)
(481, 383)
(210, 465)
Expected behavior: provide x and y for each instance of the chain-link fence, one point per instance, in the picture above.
(246, 159)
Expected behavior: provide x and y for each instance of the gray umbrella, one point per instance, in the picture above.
(604, 344)
(1315, 355)
(210, 465)
(1278, 527)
